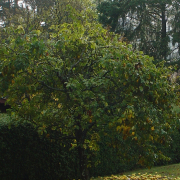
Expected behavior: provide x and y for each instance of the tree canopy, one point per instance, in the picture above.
(79, 79)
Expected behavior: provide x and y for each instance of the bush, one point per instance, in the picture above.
(173, 149)
(26, 155)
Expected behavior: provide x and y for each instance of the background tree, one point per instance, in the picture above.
(175, 28)
(9, 11)
(143, 23)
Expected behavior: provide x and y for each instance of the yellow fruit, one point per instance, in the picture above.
(133, 133)
(129, 116)
(152, 128)
(90, 121)
(148, 120)
(118, 128)
(151, 137)
(126, 76)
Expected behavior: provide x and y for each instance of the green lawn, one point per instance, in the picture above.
(162, 172)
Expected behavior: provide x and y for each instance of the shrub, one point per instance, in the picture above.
(24, 154)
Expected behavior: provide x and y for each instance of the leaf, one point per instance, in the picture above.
(141, 88)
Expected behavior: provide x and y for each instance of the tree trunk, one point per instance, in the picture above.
(80, 138)
(83, 164)
(164, 40)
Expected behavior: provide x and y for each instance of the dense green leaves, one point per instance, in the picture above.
(24, 153)
(81, 80)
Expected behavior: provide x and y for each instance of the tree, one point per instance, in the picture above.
(8, 10)
(175, 26)
(143, 23)
(81, 80)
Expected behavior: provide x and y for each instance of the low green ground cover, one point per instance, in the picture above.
(162, 172)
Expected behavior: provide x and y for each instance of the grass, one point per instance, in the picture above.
(162, 172)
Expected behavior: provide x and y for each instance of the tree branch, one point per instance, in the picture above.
(49, 87)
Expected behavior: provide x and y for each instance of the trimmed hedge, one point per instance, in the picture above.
(26, 155)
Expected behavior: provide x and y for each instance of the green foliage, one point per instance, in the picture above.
(26, 155)
(82, 81)
(143, 23)
(115, 155)
(4, 118)
(109, 13)
(118, 156)
(172, 150)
